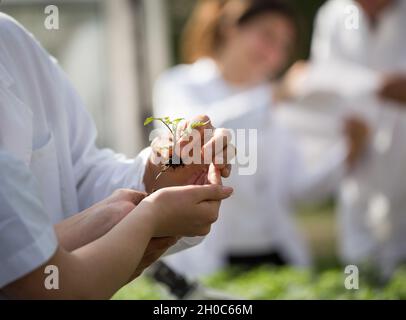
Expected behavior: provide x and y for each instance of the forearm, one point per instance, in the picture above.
(81, 229)
(95, 271)
(111, 261)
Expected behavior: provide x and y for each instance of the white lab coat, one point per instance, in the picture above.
(258, 217)
(373, 198)
(44, 123)
(22, 214)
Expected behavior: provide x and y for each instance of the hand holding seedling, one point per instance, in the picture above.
(186, 210)
(184, 155)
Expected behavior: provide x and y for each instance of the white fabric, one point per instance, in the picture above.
(381, 48)
(258, 216)
(43, 122)
(373, 198)
(27, 237)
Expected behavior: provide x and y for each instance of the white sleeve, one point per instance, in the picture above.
(27, 237)
(98, 172)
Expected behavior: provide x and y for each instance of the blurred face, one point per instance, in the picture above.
(374, 7)
(263, 46)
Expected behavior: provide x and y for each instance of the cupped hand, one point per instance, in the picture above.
(205, 145)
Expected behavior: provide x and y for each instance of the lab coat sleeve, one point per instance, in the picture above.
(315, 184)
(27, 237)
(98, 172)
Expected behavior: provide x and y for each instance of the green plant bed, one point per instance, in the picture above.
(282, 283)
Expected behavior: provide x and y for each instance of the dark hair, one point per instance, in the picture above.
(203, 34)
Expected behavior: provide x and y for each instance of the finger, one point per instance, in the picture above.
(217, 145)
(223, 159)
(226, 171)
(203, 119)
(213, 192)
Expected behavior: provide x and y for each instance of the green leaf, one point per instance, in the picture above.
(150, 119)
(176, 121)
(198, 124)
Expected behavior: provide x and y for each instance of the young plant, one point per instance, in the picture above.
(174, 161)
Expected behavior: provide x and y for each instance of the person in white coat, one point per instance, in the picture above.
(372, 205)
(89, 258)
(44, 126)
(250, 41)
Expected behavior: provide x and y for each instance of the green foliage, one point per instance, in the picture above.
(266, 283)
(172, 125)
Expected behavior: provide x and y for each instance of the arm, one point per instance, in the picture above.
(94, 271)
(89, 225)
(98, 269)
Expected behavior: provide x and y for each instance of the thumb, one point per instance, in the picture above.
(211, 192)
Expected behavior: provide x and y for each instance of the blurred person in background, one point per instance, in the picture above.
(372, 206)
(234, 49)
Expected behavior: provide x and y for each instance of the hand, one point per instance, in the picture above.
(394, 88)
(97, 220)
(212, 146)
(187, 211)
(357, 133)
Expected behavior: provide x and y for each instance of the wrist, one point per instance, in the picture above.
(146, 212)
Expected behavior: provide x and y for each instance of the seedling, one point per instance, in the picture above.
(174, 161)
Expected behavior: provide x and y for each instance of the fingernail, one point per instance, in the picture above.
(228, 190)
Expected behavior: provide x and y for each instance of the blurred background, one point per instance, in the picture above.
(113, 51)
